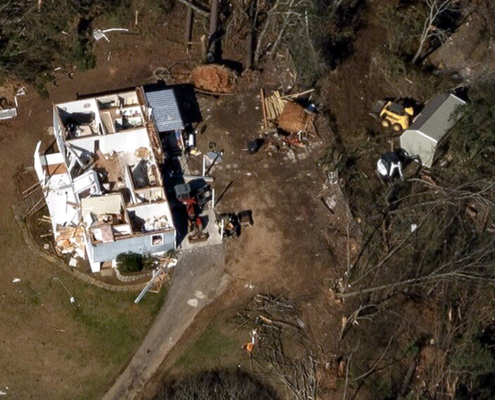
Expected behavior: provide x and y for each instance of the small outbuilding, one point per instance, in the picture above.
(430, 126)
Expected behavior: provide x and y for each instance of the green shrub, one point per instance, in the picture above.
(133, 262)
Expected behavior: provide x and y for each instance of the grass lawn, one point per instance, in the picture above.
(219, 345)
(115, 326)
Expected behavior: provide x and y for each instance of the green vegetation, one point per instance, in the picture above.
(404, 25)
(324, 38)
(421, 284)
(471, 144)
(133, 262)
(211, 349)
(34, 40)
(112, 319)
(114, 326)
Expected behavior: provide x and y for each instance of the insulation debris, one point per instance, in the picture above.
(295, 119)
(154, 224)
(70, 240)
(213, 78)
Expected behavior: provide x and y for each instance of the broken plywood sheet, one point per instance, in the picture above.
(70, 240)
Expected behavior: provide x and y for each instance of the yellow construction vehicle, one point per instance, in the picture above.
(393, 115)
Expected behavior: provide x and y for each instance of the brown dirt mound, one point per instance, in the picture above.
(294, 119)
(213, 78)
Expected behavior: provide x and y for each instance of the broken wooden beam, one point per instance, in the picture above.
(195, 8)
(263, 107)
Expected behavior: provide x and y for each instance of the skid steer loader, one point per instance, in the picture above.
(393, 115)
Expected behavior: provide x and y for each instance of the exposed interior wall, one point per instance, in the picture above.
(139, 244)
(125, 140)
(121, 141)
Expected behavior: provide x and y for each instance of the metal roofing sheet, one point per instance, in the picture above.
(436, 119)
(165, 110)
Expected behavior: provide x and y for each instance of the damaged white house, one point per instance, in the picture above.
(104, 188)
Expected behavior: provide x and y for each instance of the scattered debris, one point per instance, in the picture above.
(254, 145)
(8, 113)
(192, 302)
(15, 280)
(213, 157)
(286, 123)
(213, 78)
(330, 203)
(274, 326)
(199, 294)
(99, 34)
(71, 298)
(160, 276)
(70, 240)
(249, 346)
(230, 223)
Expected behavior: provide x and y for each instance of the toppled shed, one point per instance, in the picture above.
(429, 127)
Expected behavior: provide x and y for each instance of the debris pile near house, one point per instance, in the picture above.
(9, 92)
(286, 122)
(230, 224)
(213, 78)
(295, 119)
(273, 106)
(70, 240)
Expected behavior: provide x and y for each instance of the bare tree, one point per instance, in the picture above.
(278, 331)
(436, 8)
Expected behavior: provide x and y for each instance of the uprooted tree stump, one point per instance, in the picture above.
(213, 78)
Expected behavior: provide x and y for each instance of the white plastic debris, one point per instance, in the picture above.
(15, 280)
(98, 34)
(413, 227)
(193, 302)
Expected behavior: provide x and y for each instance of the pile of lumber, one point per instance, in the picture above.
(283, 112)
(213, 78)
(273, 105)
